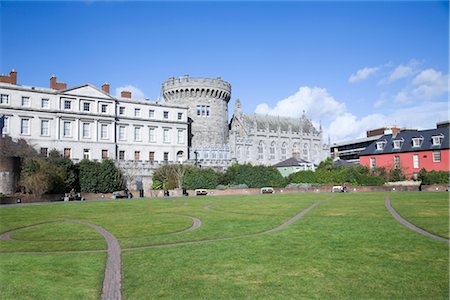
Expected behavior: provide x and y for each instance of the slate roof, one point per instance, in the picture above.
(343, 163)
(407, 142)
(264, 121)
(291, 162)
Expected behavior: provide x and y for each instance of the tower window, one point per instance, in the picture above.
(203, 110)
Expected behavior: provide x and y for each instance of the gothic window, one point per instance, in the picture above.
(283, 151)
(261, 150)
(238, 152)
(272, 150)
(305, 151)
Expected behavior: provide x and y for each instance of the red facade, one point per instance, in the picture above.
(428, 159)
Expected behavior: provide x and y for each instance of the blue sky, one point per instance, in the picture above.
(351, 65)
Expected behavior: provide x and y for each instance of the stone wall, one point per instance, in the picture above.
(9, 174)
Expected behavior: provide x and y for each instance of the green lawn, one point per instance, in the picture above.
(347, 247)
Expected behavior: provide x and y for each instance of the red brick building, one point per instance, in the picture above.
(410, 150)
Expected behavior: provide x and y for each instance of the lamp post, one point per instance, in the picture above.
(196, 160)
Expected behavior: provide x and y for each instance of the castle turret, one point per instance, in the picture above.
(207, 100)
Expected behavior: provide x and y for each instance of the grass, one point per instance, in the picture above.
(347, 247)
(428, 211)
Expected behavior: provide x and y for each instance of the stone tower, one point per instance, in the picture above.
(207, 100)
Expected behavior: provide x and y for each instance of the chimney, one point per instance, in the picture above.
(12, 78)
(395, 130)
(57, 85)
(105, 87)
(125, 94)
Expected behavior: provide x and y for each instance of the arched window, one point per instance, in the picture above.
(305, 151)
(283, 151)
(261, 150)
(180, 156)
(238, 152)
(272, 150)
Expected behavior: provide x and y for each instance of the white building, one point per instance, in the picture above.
(87, 122)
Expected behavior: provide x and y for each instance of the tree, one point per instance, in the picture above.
(253, 176)
(200, 178)
(40, 176)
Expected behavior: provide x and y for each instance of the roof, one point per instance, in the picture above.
(343, 163)
(273, 122)
(291, 162)
(406, 138)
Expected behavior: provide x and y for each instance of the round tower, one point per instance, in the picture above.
(207, 100)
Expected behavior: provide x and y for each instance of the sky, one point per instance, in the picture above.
(351, 66)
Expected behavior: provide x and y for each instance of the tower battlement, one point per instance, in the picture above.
(189, 87)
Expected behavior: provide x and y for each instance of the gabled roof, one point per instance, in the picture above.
(87, 90)
(291, 162)
(407, 144)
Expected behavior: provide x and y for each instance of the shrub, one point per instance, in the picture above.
(396, 175)
(200, 178)
(434, 177)
(253, 176)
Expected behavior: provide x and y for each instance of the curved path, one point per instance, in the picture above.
(279, 227)
(394, 213)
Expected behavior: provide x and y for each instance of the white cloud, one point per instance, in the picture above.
(317, 102)
(363, 74)
(136, 93)
(402, 71)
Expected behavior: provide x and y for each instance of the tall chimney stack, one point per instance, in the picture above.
(125, 94)
(57, 85)
(13, 76)
(105, 87)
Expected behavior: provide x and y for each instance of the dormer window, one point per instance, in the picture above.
(381, 145)
(417, 141)
(437, 139)
(397, 144)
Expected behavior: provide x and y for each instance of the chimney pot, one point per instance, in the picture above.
(125, 94)
(105, 87)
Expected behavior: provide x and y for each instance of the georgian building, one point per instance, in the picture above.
(87, 122)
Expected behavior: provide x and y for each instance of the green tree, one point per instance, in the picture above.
(198, 178)
(253, 176)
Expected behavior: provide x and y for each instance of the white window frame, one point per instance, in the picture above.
(86, 105)
(26, 103)
(180, 116)
(137, 134)
(416, 162)
(4, 99)
(380, 145)
(25, 126)
(45, 103)
(417, 142)
(86, 153)
(105, 110)
(397, 144)
(151, 113)
(373, 163)
(137, 112)
(166, 135)
(67, 131)
(152, 135)
(86, 130)
(122, 110)
(67, 104)
(165, 115)
(397, 162)
(6, 125)
(122, 133)
(437, 156)
(45, 131)
(180, 136)
(437, 140)
(104, 131)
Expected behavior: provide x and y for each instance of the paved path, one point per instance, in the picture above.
(387, 203)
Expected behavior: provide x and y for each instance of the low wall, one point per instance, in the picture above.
(14, 199)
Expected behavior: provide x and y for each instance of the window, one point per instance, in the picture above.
(26, 101)
(137, 112)
(238, 152)
(4, 99)
(67, 129)
(25, 126)
(86, 128)
(86, 153)
(166, 156)
(417, 142)
(166, 137)
(104, 131)
(6, 125)
(436, 156)
(151, 135)
(86, 106)
(398, 144)
(122, 133)
(67, 104)
(415, 161)
(121, 110)
(283, 151)
(166, 115)
(203, 110)
(180, 136)
(272, 150)
(151, 156)
(397, 162)
(45, 127)
(373, 163)
(180, 116)
(151, 113)
(104, 108)
(137, 134)
(45, 103)
(437, 140)
(261, 150)
(380, 145)
(105, 154)
(137, 155)
(44, 152)
(67, 152)
(121, 155)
